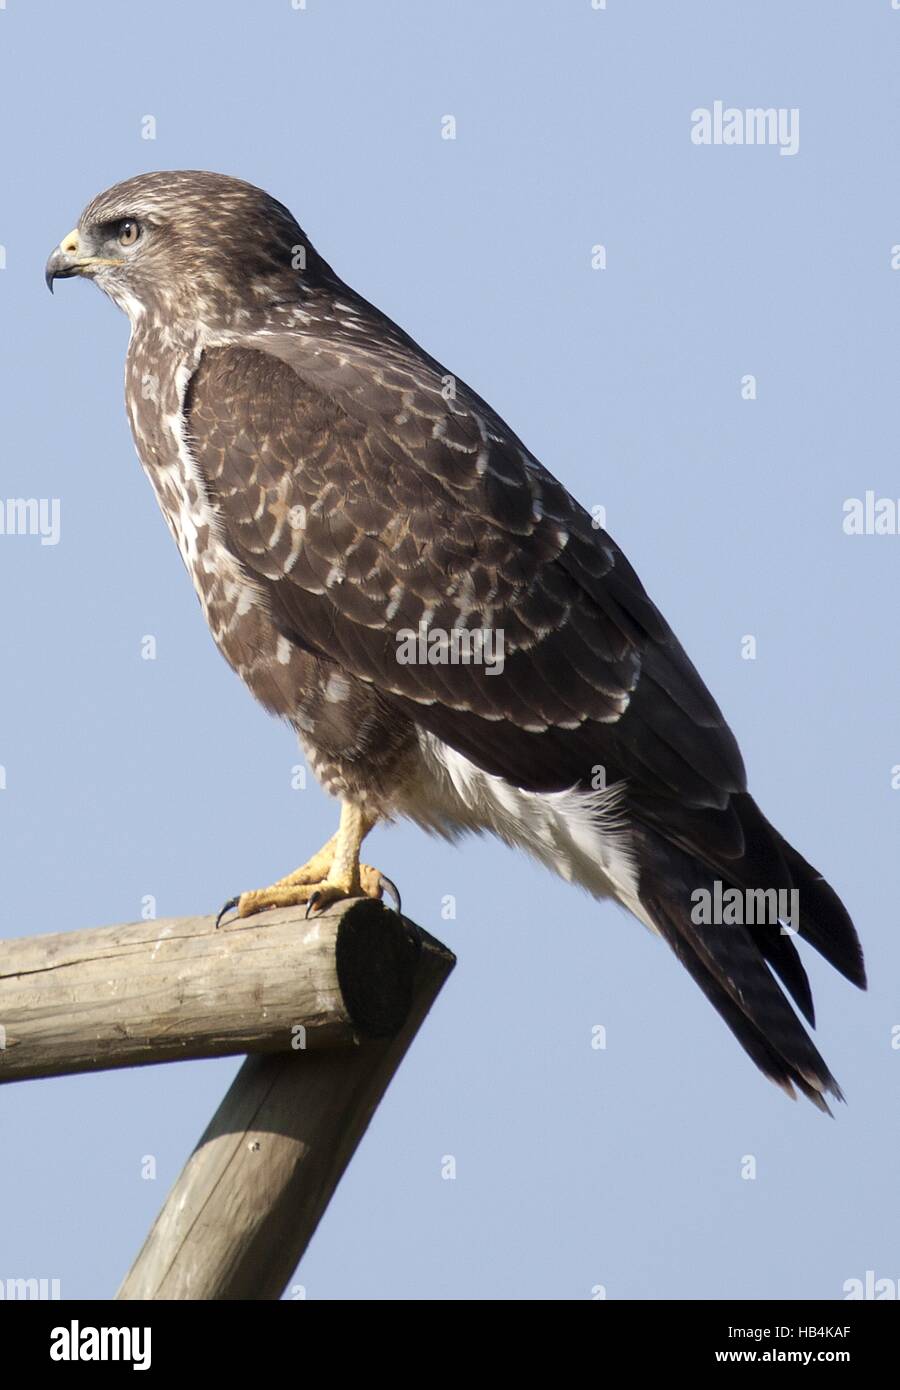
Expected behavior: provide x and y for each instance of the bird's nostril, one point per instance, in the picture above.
(70, 244)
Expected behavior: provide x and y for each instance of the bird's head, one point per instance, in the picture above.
(187, 244)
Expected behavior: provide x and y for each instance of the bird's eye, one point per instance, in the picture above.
(129, 231)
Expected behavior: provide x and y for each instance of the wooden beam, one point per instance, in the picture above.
(243, 1210)
(164, 990)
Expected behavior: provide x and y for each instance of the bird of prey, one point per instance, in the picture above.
(353, 517)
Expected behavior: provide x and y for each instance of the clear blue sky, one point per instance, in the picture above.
(576, 1166)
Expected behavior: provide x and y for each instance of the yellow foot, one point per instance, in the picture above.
(312, 886)
(332, 874)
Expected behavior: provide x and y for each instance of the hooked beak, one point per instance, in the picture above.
(66, 261)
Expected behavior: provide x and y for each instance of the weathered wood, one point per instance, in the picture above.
(164, 990)
(250, 1197)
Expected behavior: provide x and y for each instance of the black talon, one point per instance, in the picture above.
(232, 902)
(392, 891)
(310, 904)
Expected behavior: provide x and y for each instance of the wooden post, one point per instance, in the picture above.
(166, 990)
(245, 1206)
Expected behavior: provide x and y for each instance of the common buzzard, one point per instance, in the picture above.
(386, 566)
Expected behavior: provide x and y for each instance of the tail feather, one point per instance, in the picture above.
(732, 964)
(782, 956)
(824, 921)
(752, 1039)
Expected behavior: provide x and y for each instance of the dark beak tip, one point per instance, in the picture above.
(51, 269)
(59, 267)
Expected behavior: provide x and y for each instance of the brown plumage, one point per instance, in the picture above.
(331, 487)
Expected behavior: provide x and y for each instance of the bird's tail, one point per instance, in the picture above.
(732, 960)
